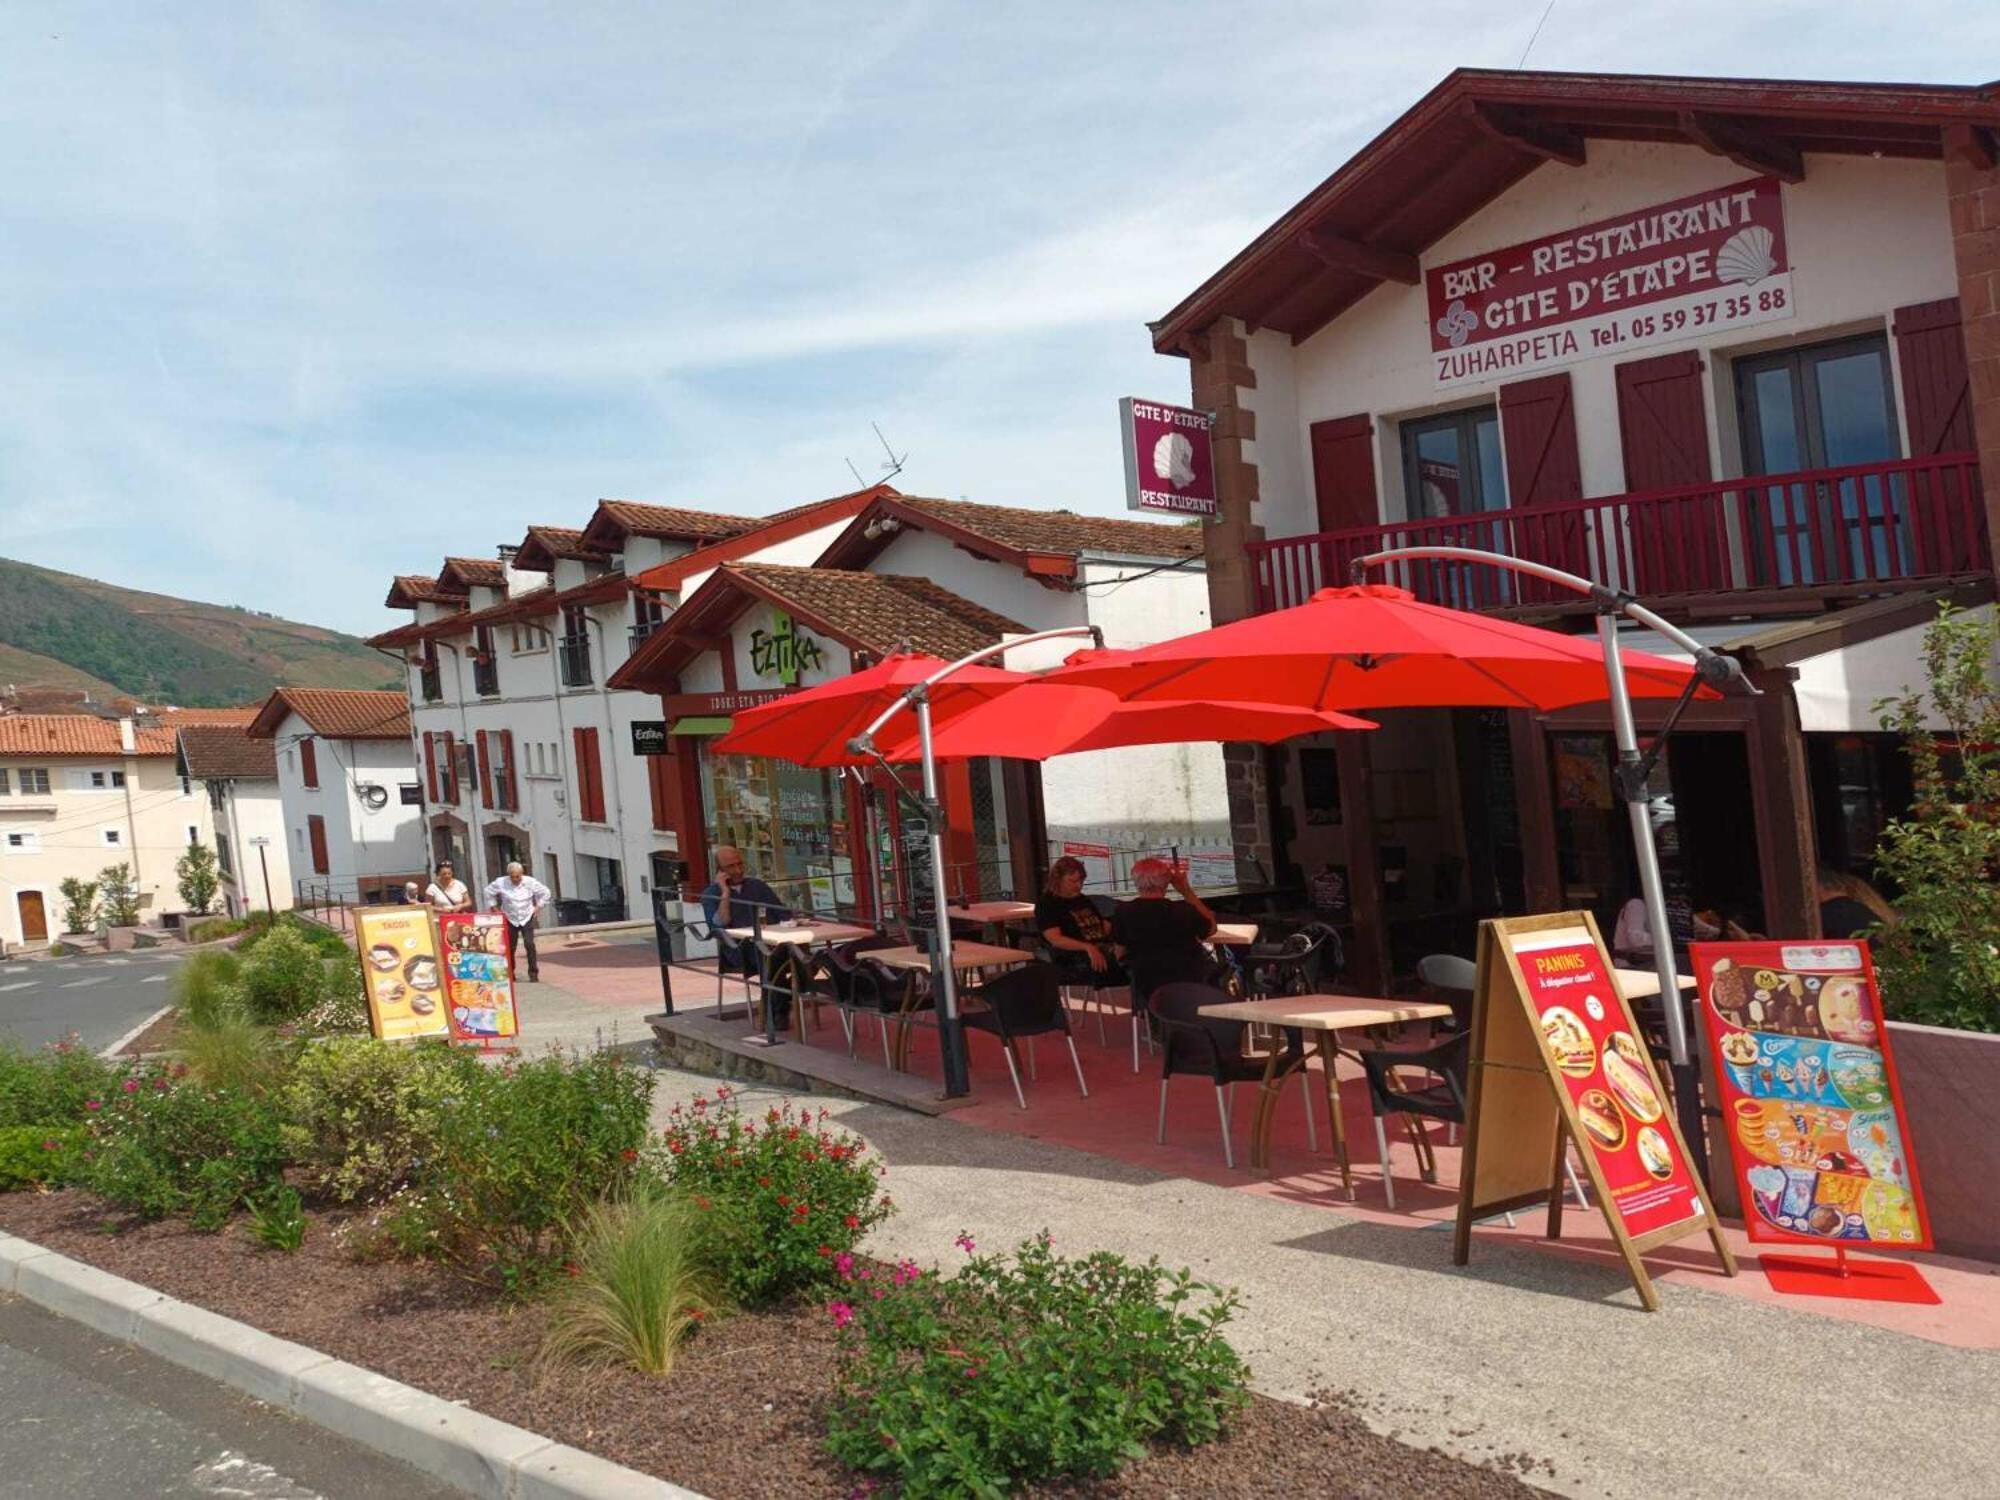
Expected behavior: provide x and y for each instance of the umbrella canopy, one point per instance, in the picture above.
(1044, 719)
(1374, 646)
(812, 727)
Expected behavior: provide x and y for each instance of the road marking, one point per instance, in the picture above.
(77, 984)
(24, 984)
(154, 979)
(118, 960)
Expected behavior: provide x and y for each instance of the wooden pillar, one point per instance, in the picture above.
(1972, 189)
(1787, 852)
(1534, 802)
(1027, 823)
(1368, 961)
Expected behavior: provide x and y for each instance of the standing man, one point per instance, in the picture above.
(447, 892)
(519, 898)
(730, 901)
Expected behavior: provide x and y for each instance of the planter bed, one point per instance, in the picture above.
(740, 1416)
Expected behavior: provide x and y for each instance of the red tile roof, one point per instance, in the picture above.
(337, 713)
(617, 519)
(543, 545)
(782, 526)
(221, 752)
(1062, 531)
(75, 734)
(180, 718)
(408, 590)
(877, 610)
(486, 572)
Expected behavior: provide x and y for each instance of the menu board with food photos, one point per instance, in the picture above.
(1555, 1056)
(479, 986)
(400, 971)
(1809, 1096)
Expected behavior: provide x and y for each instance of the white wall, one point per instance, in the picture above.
(360, 842)
(254, 809)
(801, 551)
(1864, 238)
(1003, 589)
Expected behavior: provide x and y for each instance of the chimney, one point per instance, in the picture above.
(127, 740)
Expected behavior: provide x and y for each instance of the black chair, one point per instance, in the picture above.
(1449, 980)
(1440, 1097)
(838, 974)
(1202, 1045)
(891, 996)
(1296, 966)
(1025, 1002)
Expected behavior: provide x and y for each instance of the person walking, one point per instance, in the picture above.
(447, 892)
(519, 897)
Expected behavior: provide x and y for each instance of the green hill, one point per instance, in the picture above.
(58, 630)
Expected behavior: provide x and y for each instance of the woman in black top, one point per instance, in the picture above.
(1078, 934)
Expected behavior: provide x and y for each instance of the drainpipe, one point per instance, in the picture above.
(128, 742)
(562, 748)
(476, 853)
(611, 742)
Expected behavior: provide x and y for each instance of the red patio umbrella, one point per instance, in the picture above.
(812, 727)
(1374, 646)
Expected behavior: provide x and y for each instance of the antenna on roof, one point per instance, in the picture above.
(890, 469)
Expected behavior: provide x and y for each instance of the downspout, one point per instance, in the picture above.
(562, 749)
(128, 743)
(611, 742)
(477, 850)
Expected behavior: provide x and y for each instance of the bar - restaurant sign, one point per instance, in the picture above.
(1169, 458)
(1708, 262)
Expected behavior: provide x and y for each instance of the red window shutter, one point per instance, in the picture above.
(507, 786)
(431, 767)
(1343, 457)
(316, 835)
(485, 770)
(1662, 424)
(1538, 424)
(450, 776)
(1937, 404)
(309, 764)
(589, 777)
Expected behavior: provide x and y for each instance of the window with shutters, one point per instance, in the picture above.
(1451, 464)
(660, 786)
(1343, 459)
(309, 764)
(589, 777)
(316, 836)
(483, 741)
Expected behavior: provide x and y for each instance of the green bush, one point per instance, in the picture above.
(212, 929)
(343, 1007)
(121, 895)
(787, 1196)
(1025, 1369)
(39, 1155)
(364, 1116)
(207, 984)
(522, 1153)
(641, 1281)
(53, 1085)
(79, 903)
(162, 1146)
(322, 940)
(230, 1051)
(278, 1220)
(282, 976)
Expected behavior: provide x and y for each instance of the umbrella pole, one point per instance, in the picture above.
(1632, 788)
(951, 1036)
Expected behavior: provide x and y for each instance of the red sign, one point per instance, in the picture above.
(1169, 458)
(708, 705)
(1620, 1110)
(1810, 1100)
(1676, 270)
(478, 980)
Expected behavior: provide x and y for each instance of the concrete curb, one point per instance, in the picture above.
(481, 1455)
(110, 1054)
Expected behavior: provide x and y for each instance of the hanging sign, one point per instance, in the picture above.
(479, 985)
(649, 737)
(1710, 261)
(400, 972)
(1556, 1056)
(1169, 458)
(1809, 1095)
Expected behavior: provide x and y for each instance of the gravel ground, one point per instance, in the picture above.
(739, 1419)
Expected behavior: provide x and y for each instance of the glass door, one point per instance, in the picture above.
(1452, 467)
(1824, 407)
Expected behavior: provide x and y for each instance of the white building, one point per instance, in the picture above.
(347, 783)
(253, 853)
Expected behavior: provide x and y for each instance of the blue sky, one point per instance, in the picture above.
(294, 297)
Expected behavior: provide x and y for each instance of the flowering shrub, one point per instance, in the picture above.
(363, 1118)
(1025, 1368)
(160, 1145)
(38, 1155)
(53, 1084)
(282, 977)
(788, 1195)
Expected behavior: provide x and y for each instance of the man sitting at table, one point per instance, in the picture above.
(1161, 940)
(736, 898)
(1078, 934)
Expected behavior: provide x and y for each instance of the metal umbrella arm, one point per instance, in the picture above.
(1721, 672)
(951, 1035)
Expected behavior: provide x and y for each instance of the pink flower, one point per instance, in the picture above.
(972, 1372)
(131, 1085)
(844, 1264)
(965, 1242)
(93, 1104)
(843, 1314)
(876, 1293)
(852, 1222)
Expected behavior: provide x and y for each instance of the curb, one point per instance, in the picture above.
(110, 1054)
(481, 1455)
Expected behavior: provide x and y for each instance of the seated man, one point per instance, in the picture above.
(1162, 941)
(736, 898)
(1078, 935)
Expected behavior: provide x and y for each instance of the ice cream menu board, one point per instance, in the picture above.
(1620, 1109)
(400, 971)
(479, 990)
(1808, 1093)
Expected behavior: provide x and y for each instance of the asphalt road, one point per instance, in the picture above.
(99, 998)
(86, 1419)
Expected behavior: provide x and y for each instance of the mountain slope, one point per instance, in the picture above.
(165, 650)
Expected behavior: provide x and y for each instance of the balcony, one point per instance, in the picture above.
(643, 629)
(1775, 541)
(430, 683)
(485, 675)
(574, 654)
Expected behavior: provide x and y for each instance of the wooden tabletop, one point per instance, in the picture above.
(1643, 984)
(800, 934)
(1235, 934)
(993, 911)
(1327, 1012)
(963, 956)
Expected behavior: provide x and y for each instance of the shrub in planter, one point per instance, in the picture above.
(787, 1194)
(364, 1117)
(160, 1145)
(121, 895)
(1025, 1368)
(641, 1280)
(53, 1085)
(79, 904)
(282, 977)
(39, 1155)
(206, 984)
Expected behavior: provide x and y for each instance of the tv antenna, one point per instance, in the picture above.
(892, 462)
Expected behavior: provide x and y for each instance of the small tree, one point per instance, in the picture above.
(196, 870)
(121, 895)
(79, 904)
(1940, 963)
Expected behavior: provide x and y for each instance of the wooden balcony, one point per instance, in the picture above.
(1774, 543)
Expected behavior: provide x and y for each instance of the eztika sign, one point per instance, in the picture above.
(1169, 458)
(1676, 270)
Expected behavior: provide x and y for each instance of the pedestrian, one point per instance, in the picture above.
(519, 897)
(447, 892)
(411, 896)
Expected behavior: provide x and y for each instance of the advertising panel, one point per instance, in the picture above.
(1700, 264)
(400, 971)
(479, 986)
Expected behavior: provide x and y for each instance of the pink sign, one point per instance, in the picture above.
(1169, 458)
(1676, 270)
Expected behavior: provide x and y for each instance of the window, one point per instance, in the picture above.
(194, 835)
(34, 781)
(224, 860)
(6, 782)
(298, 841)
(24, 843)
(528, 638)
(412, 794)
(1451, 464)
(114, 838)
(94, 781)
(309, 763)
(485, 670)
(187, 787)
(316, 830)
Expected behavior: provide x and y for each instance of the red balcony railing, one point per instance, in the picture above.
(1865, 528)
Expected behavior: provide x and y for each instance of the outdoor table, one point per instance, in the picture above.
(1644, 984)
(1234, 934)
(799, 934)
(963, 956)
(1324, 1016)
(993, 912)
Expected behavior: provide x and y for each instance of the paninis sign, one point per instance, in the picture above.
(1169, 458)
(1673, 271)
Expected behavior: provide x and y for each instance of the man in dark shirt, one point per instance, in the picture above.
(1077, 933)
(738, 899)
(1162, 941)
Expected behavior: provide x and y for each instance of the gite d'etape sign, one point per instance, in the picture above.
(1672, 271)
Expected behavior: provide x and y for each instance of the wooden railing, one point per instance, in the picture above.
(1864, 528)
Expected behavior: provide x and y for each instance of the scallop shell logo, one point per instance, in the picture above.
(1458, 324)
(1173, 460)
(1745, 257)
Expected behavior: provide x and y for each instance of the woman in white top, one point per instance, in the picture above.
(448, 892)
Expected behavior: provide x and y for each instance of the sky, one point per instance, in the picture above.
(296, 297)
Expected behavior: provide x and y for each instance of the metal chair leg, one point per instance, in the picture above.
(1077, 1063)
(1306, 1092)
(1382, 1146)
(1222, 1109)
(1162, 1136)
(1135, 1041)
(1034, 1076)
(1099, 1005)
(882, 1020)
(1015, 1074)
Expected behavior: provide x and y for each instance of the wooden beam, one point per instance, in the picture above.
(1344, 254)
(1781, 805)
(1744, 146)
(1971, 144)
(1521, 131)
(1368, 959)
